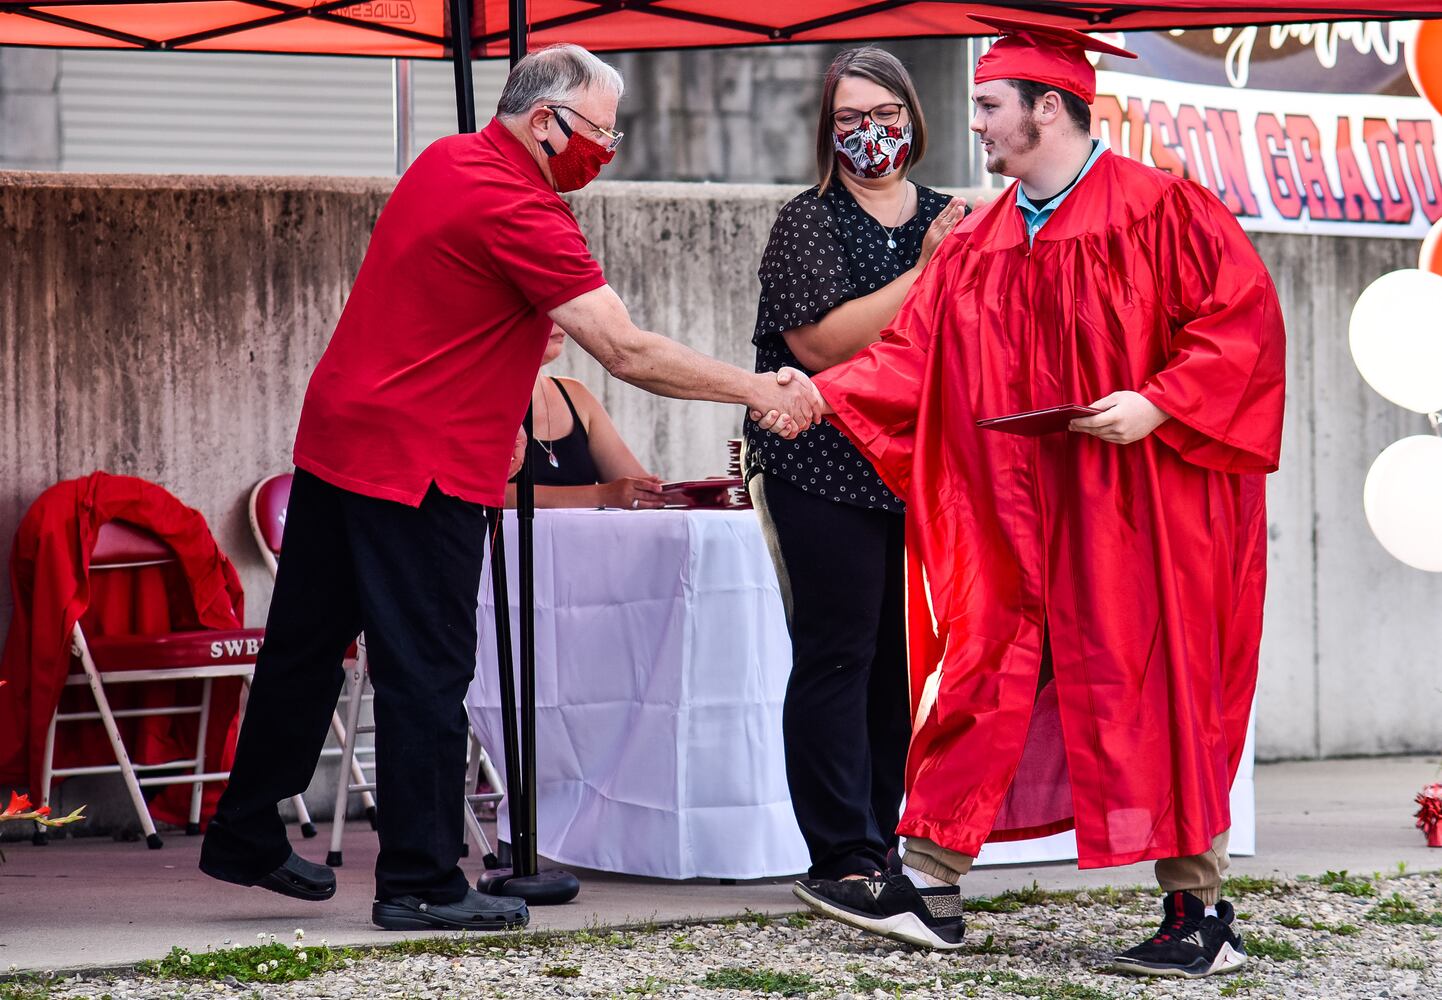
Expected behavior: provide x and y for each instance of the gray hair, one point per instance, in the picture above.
(554, 75)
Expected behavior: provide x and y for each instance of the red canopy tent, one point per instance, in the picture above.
(427, 29)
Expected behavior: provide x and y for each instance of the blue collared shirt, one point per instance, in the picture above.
(1034, 217)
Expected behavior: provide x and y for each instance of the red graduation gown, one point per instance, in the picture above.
(1144, 563)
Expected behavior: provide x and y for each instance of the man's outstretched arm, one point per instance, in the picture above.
(599, 321)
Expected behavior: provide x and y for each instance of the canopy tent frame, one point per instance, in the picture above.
(904, 19)
(909, 19)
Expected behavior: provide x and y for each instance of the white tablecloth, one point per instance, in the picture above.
(661, 664)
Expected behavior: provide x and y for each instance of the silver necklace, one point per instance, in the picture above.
(890, 233)
(548, 448)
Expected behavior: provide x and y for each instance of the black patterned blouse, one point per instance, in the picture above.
(825, 251)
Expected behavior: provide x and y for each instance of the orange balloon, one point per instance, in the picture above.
(1430, 259)
(1424, 62)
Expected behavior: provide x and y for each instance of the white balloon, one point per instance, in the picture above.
(1403, 501)
(1396, 338)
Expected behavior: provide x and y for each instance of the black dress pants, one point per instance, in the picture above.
(408, 578)
(846, 719)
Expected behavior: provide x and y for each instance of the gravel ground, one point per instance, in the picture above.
(1323, 938)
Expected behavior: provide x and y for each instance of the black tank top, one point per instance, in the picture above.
(565, 461)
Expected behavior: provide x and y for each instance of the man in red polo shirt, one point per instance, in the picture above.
(406, 436)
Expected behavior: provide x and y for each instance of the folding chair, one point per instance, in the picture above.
(108, 661)
(478, 763)
(268, 503)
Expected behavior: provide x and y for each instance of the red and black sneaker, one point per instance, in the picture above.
(888, 904)
(1189, 943)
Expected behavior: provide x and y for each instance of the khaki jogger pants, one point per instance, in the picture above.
(1200, 874)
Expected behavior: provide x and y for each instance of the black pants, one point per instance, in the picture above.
(408, 578)
(846, 719)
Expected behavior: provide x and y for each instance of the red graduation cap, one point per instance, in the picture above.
(1044, 53)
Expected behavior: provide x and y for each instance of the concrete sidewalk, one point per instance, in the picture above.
(87, 903)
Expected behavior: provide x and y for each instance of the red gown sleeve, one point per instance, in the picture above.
(1223, 384)
(877, 393)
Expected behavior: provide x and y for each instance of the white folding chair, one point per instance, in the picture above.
(478, 763)
(108, 661)
(269, 501)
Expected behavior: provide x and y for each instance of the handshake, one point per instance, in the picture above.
(786, 403)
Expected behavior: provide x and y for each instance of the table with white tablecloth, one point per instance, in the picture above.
(661, 665)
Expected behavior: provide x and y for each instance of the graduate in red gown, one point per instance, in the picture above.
(1086, 606)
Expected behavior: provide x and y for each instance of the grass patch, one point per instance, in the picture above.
(267, 963)
(562, 971)
(1348, 885)
(24, 988)
(788, 984)
(648, 986)
(1239, 985)
(1249, 885)
(1296, 923)
(1034, 895)
(1273, 948)
(1413, 964)
(1397, 909)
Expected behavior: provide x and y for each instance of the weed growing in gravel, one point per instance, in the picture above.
(272, 962)
(1397, 909)
(562, 971)
(1414, 964)
(1297, 923)
(25, 988)
(787, 984)
(1009, 983)
(1276, 949)
(682, 943)
(650, 985)
(1239, 985)
(1016, 899)
(1248, 885)
(1349, 886)
(800, 921)
(612, 939)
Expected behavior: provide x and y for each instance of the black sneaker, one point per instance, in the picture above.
(888, 904)
(1189, 943)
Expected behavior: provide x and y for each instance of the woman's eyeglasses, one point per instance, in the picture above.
(610, 137)
(848, 119)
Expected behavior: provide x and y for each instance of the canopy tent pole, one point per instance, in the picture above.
(523, 878)
(461, 63)
(402, 113)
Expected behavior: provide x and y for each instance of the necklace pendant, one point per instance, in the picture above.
(552, 459)
(891, 244)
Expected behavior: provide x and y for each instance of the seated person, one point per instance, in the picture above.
(577, 456)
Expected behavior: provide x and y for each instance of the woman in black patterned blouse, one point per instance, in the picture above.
(841, 258)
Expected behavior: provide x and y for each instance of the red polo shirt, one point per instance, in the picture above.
(430, 368)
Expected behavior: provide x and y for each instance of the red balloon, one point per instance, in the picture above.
(1424, 62)
(1431, 257)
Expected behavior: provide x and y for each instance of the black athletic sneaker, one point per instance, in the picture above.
(1189, 943)
(888, 904)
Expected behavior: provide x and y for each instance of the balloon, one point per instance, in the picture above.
(1424, 62)
(1396, 338)
(1403, 501)
(1430, 259)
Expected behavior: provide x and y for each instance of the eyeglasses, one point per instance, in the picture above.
(611, 137)
(848, 119)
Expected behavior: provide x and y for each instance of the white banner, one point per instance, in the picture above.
(1282, 161)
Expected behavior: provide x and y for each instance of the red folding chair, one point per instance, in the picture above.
(268, 503)
(105, 662)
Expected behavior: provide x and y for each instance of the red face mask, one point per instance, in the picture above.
(578, 164)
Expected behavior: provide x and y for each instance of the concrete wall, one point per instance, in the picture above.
(165, 327)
